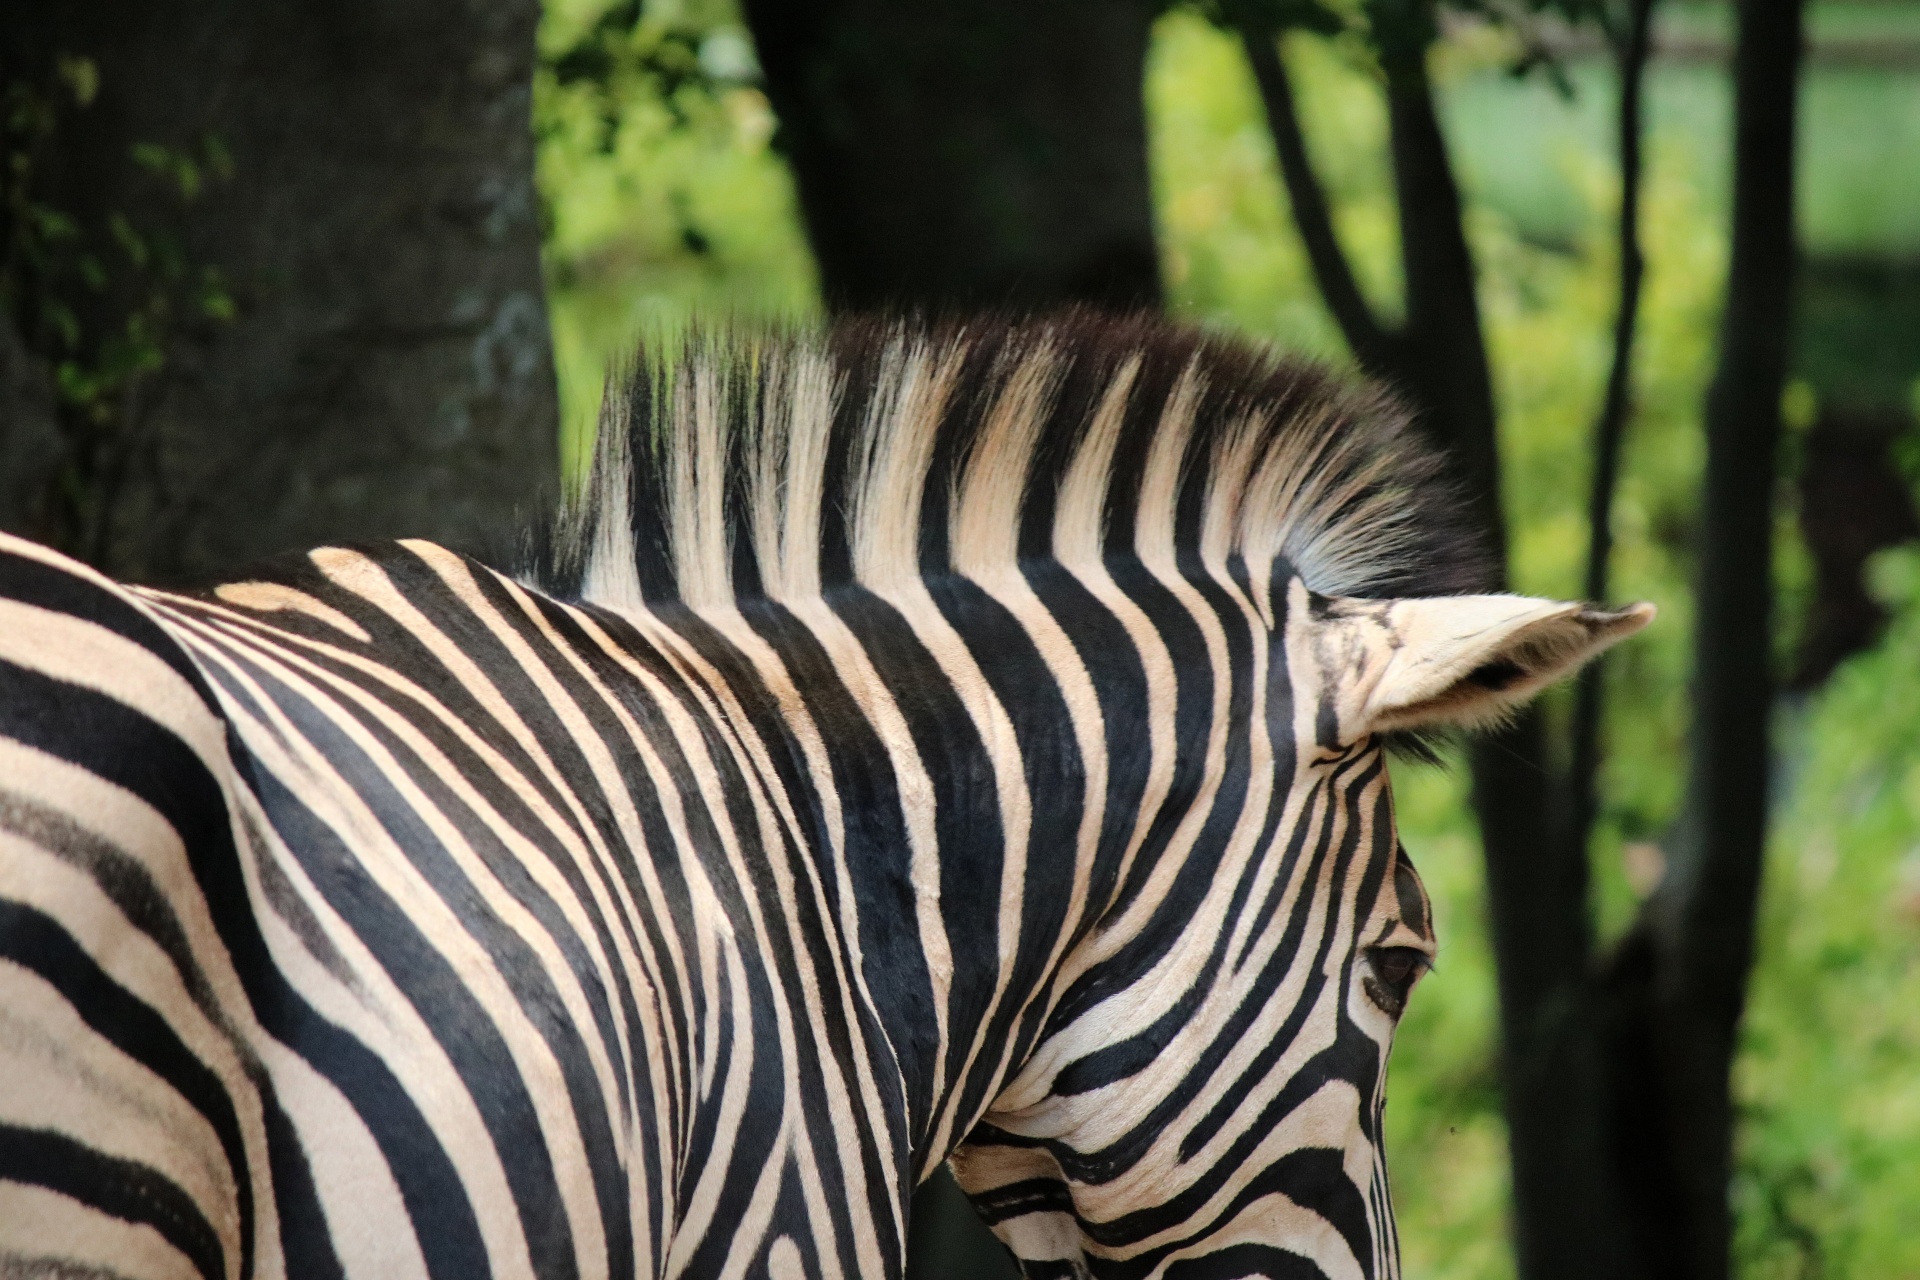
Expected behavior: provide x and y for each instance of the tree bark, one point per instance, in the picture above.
(1698, 927)
(1616, 1088)
(1445, 344)
(388, 371)
(992, 153)
(1551, 1086)
(30, 443)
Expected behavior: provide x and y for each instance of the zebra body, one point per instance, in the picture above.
(917, 744)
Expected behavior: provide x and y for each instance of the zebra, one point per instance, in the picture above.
(914, 742)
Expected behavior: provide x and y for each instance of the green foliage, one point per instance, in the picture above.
(1829, 1168)
(1233, 259)
(52, 268)
(1445, 1136)
(1228, 250)
(1859, 155)
(664, 196)
(102, 305)
(1828, 1081)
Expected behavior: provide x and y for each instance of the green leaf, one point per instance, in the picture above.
(60, 318)
(215, 302)
(219, 159)
(76, 385)
(186, 174)
(130, 241)
(81, 75)
(51, 224)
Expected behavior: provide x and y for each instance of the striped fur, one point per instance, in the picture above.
(916, 743)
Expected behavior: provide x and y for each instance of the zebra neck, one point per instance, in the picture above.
(937, 784)
(988, 750)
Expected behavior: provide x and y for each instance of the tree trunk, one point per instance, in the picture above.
(1616, 1089)
(1567, 1202)
(990, 153)
(30, 444)
(387, 370)
(1446, 351)
(1682, 983)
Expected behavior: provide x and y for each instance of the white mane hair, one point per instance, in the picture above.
(781, 463)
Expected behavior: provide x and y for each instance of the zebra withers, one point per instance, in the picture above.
(915, 743)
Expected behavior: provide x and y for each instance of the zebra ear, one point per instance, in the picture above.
(1469, 660)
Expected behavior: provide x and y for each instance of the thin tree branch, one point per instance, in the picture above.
(1374, 345)
(1631, 48)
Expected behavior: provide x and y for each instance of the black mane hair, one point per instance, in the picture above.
(775, 462)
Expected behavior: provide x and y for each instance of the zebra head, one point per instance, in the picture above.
(1109, 623)
(1206, 1100)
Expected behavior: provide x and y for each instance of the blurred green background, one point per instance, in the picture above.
(665, 197)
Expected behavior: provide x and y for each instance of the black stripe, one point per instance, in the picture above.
(808, 852)
(1017, 1199)
(1119, 678)
(966, 821)
(304, 1239)
(1055, 778)
(879, 862)
(1353, 1056)
(775, 972)
(402, 653)
(1243, 1260)
(61, 590)
(123, 1189)
(36, 942)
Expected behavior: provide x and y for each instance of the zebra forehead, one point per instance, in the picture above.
(780, 463)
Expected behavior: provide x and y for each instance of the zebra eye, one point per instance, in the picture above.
(1393, 971)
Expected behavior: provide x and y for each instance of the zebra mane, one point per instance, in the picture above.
(781, 463)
